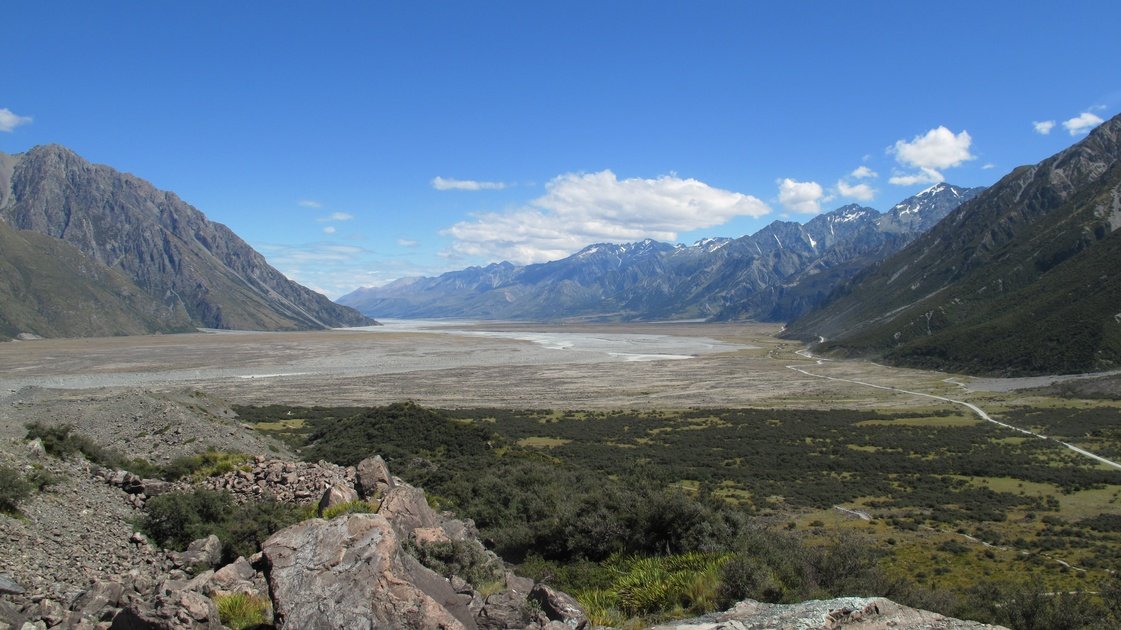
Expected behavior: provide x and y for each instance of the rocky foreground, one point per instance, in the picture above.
(75, 559)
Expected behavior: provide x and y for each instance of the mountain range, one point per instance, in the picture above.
(776, 274)
(87, 251)
(1023, 279)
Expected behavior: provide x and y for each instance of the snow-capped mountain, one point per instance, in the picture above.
(776, 274)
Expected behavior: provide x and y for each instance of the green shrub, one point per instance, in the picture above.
(211, 463)
(175, 519)
(13, 490)
(242, 610)
(465, 559)
(62, 442)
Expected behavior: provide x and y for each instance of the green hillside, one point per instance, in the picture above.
(1024, 279)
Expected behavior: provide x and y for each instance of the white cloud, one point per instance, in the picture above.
(450, 183)
(310, 203)
(924, 176)
(801, 197)
(336, 216)
(330, 229)
(407, 242)
(863, 172)
(1043, 127)
(988, 166)
(582, 208)
(9, 120)
(938, 149)
(1082, 123)
(860, 192)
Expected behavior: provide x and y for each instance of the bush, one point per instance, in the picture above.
(13, 490)
(175, 519)
(465, 559)
(209, 464)
(61, 441)
(242, 610)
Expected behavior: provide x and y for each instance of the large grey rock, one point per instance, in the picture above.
(337, 494)
(372, 478)
(406, 509)
(8, 586)
(505, 609)
(201, 554)
(175, 610)
(855, 613)
(350, 572)
(559, 606)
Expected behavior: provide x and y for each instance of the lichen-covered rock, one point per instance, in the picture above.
(174, 610)
(350, 572)
(849, 613)
(337, 494)
(407, 509)
(559, 606)
(372, 478)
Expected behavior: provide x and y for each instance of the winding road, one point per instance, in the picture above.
(974, 408)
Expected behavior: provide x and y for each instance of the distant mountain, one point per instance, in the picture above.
(775, 274)
(141, 258)
(1023, 279)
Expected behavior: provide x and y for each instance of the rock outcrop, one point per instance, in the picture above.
(855, 613)
(356, 563)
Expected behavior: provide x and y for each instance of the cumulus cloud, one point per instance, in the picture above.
(336, 216)
(930, 153)
(863, 172)
(450, 183)
(923, 176)
(860, 192)
(582, 208)
(803, 197)
(1043, 127)
(1082, 123)
(9, 120)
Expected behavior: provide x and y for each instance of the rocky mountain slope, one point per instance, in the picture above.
(51, 289)
(1023, 279)
(773, 275)
(184, 270)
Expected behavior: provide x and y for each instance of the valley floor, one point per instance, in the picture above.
(509, 365)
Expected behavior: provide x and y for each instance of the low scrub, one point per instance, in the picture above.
(175, 519)
(243, 610)
(14, 489)
(209, 464)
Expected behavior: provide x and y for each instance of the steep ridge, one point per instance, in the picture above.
(51, 289)
(170, 250)
(775, 274)
(1024, 279)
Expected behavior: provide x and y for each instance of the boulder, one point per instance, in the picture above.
(559, 606)
(857, 613)
(356, 564)
(337, 494)
(406, 509)
(8, 586)
(204, 553)
(175, 610)
(100, 601)
(372, 478)
(505, 609)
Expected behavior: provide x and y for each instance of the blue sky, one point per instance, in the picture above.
(357, 142)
